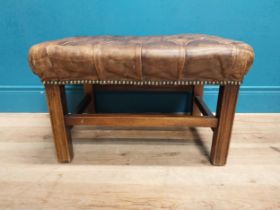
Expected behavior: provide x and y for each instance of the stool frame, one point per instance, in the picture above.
(221, 123)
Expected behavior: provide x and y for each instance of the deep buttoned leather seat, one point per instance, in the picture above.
(151, 60)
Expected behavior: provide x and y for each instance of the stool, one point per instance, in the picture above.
(176, 62)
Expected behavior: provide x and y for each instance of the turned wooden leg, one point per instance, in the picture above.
(222, 133)
(197, 91)
(61, 132)
(89, 90)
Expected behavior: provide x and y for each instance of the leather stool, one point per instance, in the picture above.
(177, 62)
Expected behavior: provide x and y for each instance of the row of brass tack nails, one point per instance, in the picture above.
(133, 82)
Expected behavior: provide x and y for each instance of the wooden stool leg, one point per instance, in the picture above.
(61, 132)
(197, 91)
(89, 90)
(225, 113)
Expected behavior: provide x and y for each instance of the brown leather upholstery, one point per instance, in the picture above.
(182, 58)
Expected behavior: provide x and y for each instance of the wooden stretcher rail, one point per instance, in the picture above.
(203, 106)
(82, 106)
(140, 120)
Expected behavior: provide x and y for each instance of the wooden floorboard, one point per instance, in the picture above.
(139, 169)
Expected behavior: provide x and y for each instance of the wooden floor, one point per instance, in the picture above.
(139, 169)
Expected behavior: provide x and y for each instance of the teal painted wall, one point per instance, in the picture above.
(26, 22)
